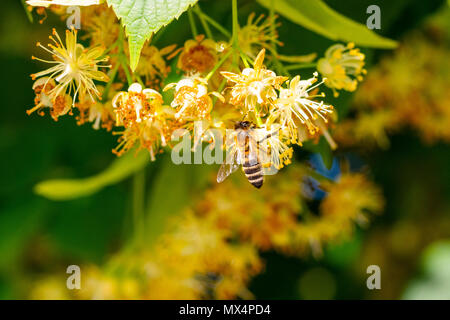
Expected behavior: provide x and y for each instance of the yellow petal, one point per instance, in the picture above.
(260, 59)
(230, 76)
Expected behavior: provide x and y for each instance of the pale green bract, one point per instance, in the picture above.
(67, 189)
(316, 16)
(142, 18)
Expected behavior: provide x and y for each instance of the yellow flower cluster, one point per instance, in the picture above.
(217, 83)
(293, 108)
(183, 265)
(342, 67)
(99, 112)
(199, 55)
(145, 119)
(398, 93)
(276, 217)
(101, 25)
(238, 222)
(290, 110)
(258, 33)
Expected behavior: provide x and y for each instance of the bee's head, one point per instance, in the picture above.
(243, 125)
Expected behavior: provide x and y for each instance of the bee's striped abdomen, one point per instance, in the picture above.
(251, 166)
(253, 173)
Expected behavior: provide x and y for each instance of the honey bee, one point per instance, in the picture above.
(246, 151)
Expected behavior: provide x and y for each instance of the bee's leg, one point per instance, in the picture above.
(268, 136)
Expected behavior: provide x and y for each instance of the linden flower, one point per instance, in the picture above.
(199, 55)
(136, 105)
(47, 3)
(274, 145)
(145, 119)
(100, 114)
(279, 150)
(194, 243)
(75, 68)
(368, 128)
(152, 134)
(192, 99)
(256, 34)
(157, 131)
(152, 63)
(295, 104)
(264, 218)
(102, 26)
(58, 105)
(41, 12)
(342, 66)
(350, 198)
(254, 85)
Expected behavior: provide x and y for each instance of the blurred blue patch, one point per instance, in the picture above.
(311, 186)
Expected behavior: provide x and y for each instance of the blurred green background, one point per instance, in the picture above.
(37, 235)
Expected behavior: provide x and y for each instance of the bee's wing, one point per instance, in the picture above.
(266, 154)
(225, 170)
(263, 153)
(253, 152)
(228, 167)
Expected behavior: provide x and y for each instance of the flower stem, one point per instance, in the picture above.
(244, 59)
(217, 66)
(110, 82)
(235, 39)
(274, 51)
(192, 23)
(158, 35)
(213, 23)
(235, 25)
(122, 57)
(203, 22)
(138, 79)
(258, 117)
(123, 62)
(272, 24)
(139, 204)
(108, 50)
(219, 89)
(301, 66)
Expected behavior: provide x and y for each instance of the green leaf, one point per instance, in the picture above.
(67, 189)
(318, 17)
(142, 18)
